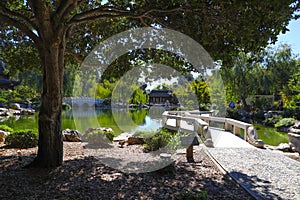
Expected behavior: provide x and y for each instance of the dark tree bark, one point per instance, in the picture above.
(50, 145)
(50, 148)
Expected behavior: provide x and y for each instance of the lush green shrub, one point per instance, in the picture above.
(3, 100)
(199, 196)
(99, 137)
(160, 139)
(66, 106)
(259, 115)
(6, 128)
(233, 113)
(272, 121)
(292, 112)
(285, 122)
(22, 139)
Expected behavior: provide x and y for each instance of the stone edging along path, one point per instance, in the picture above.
(263, 173)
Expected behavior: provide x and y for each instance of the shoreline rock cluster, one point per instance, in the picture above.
(6, 112)
(294, 137)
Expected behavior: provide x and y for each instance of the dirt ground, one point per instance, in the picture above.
(84, 176)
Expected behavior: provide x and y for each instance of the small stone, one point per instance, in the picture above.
(294, 141)
(71, 135)
(122, 137)
(294, 130)
(3, 134)
(133, 140)
(285, 147)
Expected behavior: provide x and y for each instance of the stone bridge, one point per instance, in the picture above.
(83, 101)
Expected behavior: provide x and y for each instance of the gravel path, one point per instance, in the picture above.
(84, 176)
(265, 174)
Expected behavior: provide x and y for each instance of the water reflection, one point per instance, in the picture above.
(120, 120)
(270, 135)
(82, 119)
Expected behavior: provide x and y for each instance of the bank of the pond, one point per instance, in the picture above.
(124, 120)
(270, 135)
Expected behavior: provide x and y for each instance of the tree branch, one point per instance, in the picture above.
(66, 7)
(76, 56)
(27, 30)
(112, 12)
(17, 16)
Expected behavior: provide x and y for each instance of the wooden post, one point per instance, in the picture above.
(189, 154)
(236, 130)
(178, 122)
(246, 134)
(228, 127)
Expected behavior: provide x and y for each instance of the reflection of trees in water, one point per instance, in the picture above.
(116, 119)
(155, 112)
(85, 112)
(138, 116)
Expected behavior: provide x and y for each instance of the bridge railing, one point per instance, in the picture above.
(229, 124)
(177, 121)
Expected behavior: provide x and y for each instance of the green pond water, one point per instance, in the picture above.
(270, 135)
(123, 120)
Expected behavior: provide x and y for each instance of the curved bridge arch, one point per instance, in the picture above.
(82, 101)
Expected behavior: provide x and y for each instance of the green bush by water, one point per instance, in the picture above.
(160, 139)
(285, 122)
(22, 139)
(5, 128)
(99, 137)
(272, 121)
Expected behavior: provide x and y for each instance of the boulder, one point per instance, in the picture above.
(2, 135)
(133, 140)
(95, 129)
(296, 125)
(294, 130)
(257, 143)
(71, 135)
(285, 147)
(122, 137)
(26, 111)
(294, 141)
(4, 112)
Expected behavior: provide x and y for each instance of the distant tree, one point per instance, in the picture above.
(139, 97)
(240, 79)
(266, 72)
(105, 89)
(201, 90)
(281, 64)
(291, 90)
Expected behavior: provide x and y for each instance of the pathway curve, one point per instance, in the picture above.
(264, 173)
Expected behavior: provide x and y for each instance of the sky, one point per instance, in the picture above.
(291, 37)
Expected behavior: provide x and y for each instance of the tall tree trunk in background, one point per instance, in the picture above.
(50, 144)
(244, 103)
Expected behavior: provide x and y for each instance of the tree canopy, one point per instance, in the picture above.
(222, 27)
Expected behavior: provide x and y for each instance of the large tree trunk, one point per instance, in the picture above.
(50, 144)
